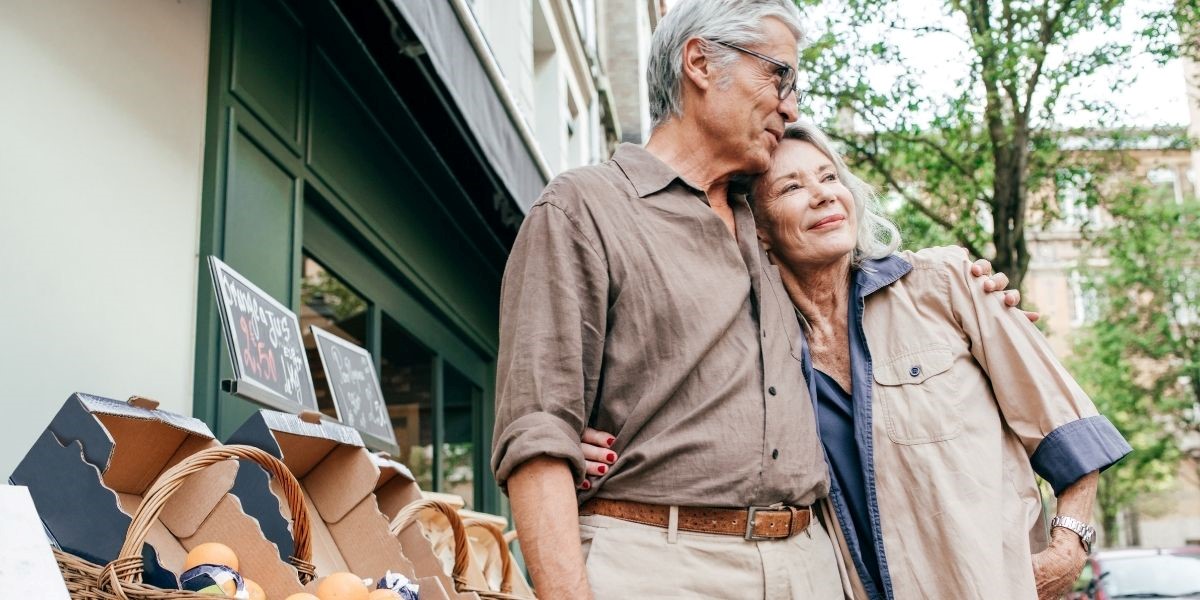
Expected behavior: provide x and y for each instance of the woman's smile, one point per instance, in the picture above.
(830, 222)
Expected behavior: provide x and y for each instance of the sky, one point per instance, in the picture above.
(1157, 96)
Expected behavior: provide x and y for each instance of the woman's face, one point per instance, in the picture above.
(809, 217)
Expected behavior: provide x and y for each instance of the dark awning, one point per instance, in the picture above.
(446, 46)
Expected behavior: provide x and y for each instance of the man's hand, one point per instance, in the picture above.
(1056, 568)
(996, 283)
(542, 494)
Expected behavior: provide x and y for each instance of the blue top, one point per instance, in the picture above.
(835, 413)
(844, 423)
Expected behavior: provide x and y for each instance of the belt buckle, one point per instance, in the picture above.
(750, 513)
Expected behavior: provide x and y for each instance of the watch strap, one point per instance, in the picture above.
(1086, 533)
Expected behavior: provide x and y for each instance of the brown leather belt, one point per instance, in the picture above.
(754, 523)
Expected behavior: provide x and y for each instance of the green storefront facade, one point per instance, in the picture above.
(341, 177)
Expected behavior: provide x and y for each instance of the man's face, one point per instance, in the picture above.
(745, 109)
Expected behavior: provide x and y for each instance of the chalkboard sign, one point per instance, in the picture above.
(354, 385)
(263, 337)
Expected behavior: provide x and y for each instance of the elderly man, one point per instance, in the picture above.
(637, 300)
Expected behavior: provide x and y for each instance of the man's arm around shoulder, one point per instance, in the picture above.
(542, 493)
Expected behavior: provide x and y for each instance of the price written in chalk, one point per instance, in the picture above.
(354, 385)
(263, 337)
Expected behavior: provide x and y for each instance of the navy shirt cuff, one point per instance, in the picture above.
(1076, 449)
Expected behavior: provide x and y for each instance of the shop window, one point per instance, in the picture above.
(460, 454)
(407, 379)
(327, 302)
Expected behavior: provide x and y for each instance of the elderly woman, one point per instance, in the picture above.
(936, 404)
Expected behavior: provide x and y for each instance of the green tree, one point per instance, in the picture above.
(1140, 358)
(967, 164)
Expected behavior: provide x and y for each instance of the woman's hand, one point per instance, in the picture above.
(597, 454)
(1056, 568)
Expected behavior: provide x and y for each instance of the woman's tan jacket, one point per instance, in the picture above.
(967, 402)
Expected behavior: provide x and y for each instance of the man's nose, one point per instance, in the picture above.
(789, 107)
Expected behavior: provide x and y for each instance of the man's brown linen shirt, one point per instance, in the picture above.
(626, 304)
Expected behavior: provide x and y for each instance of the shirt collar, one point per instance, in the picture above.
(647, 174)
(878, 273)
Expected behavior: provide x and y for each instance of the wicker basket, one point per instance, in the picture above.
(122, 578)
(510, 581)
(462, 549)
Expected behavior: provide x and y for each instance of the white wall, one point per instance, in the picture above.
(508, 27)
(101, 144)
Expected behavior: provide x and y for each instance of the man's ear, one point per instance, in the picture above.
(696, 66)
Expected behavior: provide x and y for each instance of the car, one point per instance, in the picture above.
(1140, 573)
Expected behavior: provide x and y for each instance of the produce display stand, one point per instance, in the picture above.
(126, 492)
(122, 578)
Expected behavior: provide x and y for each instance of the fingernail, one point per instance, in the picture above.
(587, 485)
(612, 457)
(609, 442)
(601, 469)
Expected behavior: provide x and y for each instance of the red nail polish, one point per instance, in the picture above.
(612, 457)
(601, 469)
(610, 442)
(587, 485)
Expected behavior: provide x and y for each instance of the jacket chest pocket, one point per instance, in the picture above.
(918, 396)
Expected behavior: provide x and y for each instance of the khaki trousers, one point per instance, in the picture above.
(629, 560)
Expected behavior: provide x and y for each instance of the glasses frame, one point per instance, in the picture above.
(786, 72)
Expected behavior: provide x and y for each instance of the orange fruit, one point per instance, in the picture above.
(383, 594)
(211, 553)
(342, 586)
(302, 596)
(256, 592)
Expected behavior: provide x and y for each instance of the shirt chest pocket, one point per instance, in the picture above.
(918, 396)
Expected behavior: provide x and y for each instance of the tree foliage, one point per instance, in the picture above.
(1140, 358)
(968, 160)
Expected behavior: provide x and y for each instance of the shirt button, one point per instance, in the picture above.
(775, 454)
(771, 390)
(914, 371)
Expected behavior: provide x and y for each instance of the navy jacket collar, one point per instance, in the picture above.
(878, 273)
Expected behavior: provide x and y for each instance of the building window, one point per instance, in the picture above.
(407, 378)
(433, 384)
(461, 456)
(1168, 181)
(1085, 307)
(1073, 208)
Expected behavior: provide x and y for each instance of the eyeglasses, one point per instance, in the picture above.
(785, 72)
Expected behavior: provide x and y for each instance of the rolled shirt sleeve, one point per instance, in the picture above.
(1056, 421)
(553, 311)
(1077, 448)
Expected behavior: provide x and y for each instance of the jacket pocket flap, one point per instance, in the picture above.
(914, 367)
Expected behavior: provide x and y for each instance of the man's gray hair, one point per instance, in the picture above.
(738, 22)
(877, 236)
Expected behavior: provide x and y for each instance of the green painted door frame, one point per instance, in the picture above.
(310, 149)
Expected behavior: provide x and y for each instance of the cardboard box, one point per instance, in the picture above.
(396, 488)
(90, 468)
(339, 478)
